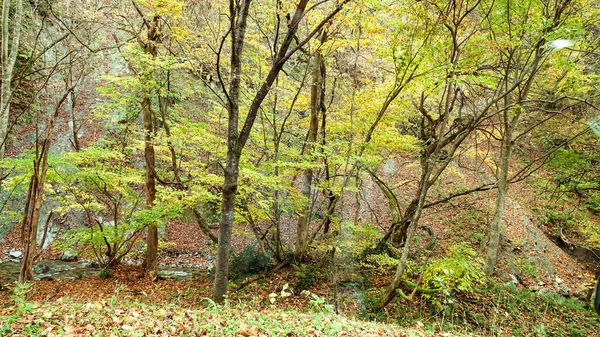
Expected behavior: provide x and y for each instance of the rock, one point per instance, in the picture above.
(544, 291)
(15, 254)
(68, 256)
(561, 287)
(41, 268)
(175, 275)
(390, 167)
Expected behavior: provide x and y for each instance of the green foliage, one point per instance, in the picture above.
(525, 266)
(248, 262)
(576, 172)
(379, 264)
(104, 273)
(358, 239)
(307, 276)
(19, 297)
(318, 303)
(460, 269)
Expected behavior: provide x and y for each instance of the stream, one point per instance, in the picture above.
(61, 270)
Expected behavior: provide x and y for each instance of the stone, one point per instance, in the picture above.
(544, 291)
(175, 275)
(15, 254)
(41, 268)
(390, 167)
(561, 287)
(68, 256)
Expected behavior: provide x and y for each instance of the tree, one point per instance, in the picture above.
(10, 50)
(522, 66)
(236, 139)
(316, 104)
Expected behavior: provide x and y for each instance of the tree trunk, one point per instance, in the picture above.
(398, 232)
(307, 176)
(152, 237)
(496, 224)
(35, 198)
(424, 185)
(150, 260)
(236, 140)
(239, 16)
(9, 58)
(225, 227)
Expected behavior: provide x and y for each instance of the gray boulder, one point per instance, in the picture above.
(561, 287)
(15, 254)
(41, 268)
(68, 256)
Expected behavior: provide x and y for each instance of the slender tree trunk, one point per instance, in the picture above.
(496, 224)
(35, 198)
(149, 156)
(9, 58)
(150, 260)
(236, 140)
(225, 227)
(76, 144)
(390, 292)
(307, 176)
(239, 16)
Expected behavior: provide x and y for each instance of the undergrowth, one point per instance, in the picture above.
(501, 311)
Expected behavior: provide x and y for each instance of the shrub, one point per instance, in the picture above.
(379, 264)
(249, 262)
(307, 276)
(459, 270)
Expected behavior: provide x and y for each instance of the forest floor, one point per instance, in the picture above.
(128, 304)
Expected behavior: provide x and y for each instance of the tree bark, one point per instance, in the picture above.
(150, 260)
(239, 16)
(9, 58)
(35, 198)
(496, 224)
(424, 185)
(150, 182)
(307, 176)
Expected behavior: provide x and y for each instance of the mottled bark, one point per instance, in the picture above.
(239, 16)
(150, 260)
(150, 184)
(307, 175)
(496, 224)
(9, 53)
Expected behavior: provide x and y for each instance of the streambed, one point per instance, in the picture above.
(61, 270)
